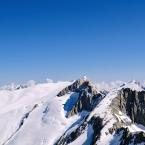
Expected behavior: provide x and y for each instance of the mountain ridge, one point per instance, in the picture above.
(73, 113)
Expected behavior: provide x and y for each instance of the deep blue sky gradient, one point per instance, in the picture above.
(65, 39)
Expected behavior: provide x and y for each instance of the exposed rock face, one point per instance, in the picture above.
(72, 134)
(131, 103)
(86, 101)
(97, 124)
(127, 138)
(88, 96)
(77, 86)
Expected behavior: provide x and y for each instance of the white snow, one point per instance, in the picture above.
(103, 110)
(47, 120)
(85, 138)
(136, 128)
(84, 78)
(45, 123)
(134, 85)
(108, 86)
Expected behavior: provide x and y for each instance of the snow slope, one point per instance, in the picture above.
(33, 115)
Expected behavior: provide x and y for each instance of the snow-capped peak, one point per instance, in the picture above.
(72, 113)
(84, 78)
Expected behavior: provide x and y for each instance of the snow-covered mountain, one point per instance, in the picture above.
(73, 113)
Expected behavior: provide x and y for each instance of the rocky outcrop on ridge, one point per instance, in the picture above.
(72, 134)
(88, 96)
(131, 103)
(128, 138)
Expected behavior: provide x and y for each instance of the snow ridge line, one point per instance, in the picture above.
(26, 116)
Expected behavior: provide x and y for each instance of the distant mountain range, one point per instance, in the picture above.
(73, 113)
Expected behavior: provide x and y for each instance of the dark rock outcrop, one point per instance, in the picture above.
(77, 86)
(127, 138)
(72, 134)
(86, 102)
(97, 124)
(88, 96)
(131, 103)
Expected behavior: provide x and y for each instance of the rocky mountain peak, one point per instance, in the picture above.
(88, 97)
(76, 86)
(74, 113)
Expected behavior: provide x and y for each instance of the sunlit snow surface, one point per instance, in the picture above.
(43, 125)
(35, 116)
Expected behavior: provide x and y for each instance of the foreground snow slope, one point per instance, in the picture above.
(33, 116)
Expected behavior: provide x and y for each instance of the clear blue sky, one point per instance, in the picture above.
(65, 39)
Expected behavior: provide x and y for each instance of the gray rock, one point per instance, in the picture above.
(88, 96)
(76, 87)
(97, 124)
(131, 103)
(72, 134)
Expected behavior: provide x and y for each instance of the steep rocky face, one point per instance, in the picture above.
(97, 124)
(88, 96)
(127, 138)
(77, 86)
(72, 134)
(131, 103)
(126, 102)
(85, 102)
